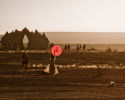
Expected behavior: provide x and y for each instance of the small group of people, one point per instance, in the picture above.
(67, 47)
(9, 47)
(80, 47)
(51, 69)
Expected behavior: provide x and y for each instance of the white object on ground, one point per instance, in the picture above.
(73, 65)
(33, 65)
(68, 66)
(60, 66)
(47, 70)
(112, 83)
(94, 66)
(37, 66)
(40, 65)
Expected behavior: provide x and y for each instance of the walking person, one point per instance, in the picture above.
(25, 59)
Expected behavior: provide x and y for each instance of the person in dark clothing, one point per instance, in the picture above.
(25, 59)
(68, 47)
(84, 47)
(65, 47)
(77, 47)
(15, 47)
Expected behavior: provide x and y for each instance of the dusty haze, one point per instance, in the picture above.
(87, 37)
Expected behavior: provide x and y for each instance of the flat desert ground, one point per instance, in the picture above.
(71, 82)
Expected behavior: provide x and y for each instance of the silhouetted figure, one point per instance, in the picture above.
(51, 45)
(15, 46)
(77, 47)
(7, 49)
(80, 47)
(84, 47)
(51, 69)
(4, 44)
(25, 59)
(9, 46)
(65, 47)
(68, 47)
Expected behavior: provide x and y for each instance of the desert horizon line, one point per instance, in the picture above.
(82, 32)
(69, 32)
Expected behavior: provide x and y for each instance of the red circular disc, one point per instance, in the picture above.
(56, 50)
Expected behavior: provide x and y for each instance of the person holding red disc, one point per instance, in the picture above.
(51, 69)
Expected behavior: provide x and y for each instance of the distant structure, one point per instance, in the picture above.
(36, 40)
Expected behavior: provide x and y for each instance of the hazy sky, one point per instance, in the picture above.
(63, 15)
